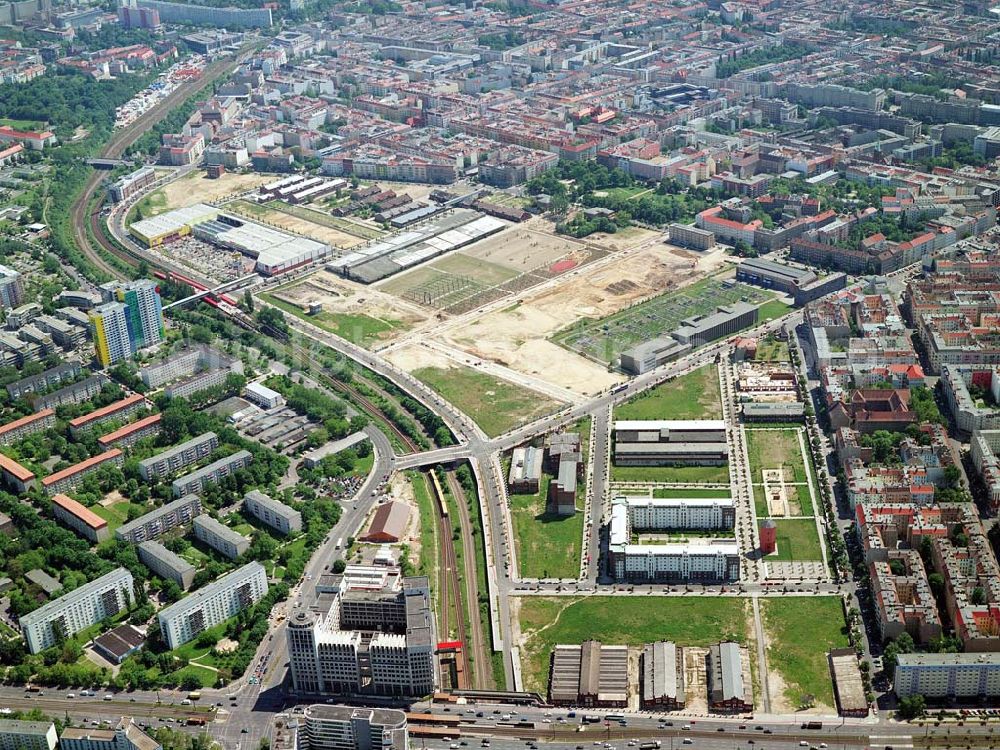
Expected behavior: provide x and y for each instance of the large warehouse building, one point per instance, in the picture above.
(276, 251)
(667, 442)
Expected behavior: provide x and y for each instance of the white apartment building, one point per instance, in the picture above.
(27, 735)
(125, 736)
(275, 514)
(953, 676)
(224, 467)
(220, 537)
(79, 609)
(180, 456)
(216, 603)
(654, 513)
(348, 728)
(156, 522)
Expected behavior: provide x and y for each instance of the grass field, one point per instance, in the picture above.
(772, 350)
(23, 124)
(495, 405)
(115, 514)
(668, 492)
(671, 474)
(629, 620)
(426, 563)
(800, 632)
(692, 396)
(548, 546)
(797, 540)
(771, 310)
(604, 339)
(358, 329)
(769, 449)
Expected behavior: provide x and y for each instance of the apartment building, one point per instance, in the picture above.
(948, 676)
(328, 652)
(215, 471)
(117, 411)
(166, 564)
(14, 476)
(349, 728)
(11, 288)
(89, 604)
(130, 434)
(80, 518)
(43, 381)
(220, 537)
(660, 514)
(186, 363)
(275, 514)
(29, 425)
(70, 477)
(156, 522)
(74, 393)
(126, 735)
(27, 735)
(213, 604)
(174, 459)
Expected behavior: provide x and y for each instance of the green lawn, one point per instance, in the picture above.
(34, 125)
(769, 449)
(358, 329)
(674, 474)
(668, 492)
(800, 633)
(495, 405)
(771, 310)
(772, 350)
(619, 619)
(548, 546)
(692, 396)
(797, 540)
(115, 514)
(759, 501)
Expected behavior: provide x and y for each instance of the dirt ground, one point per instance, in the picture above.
(196, 187)
(401, 490)
(280, 219)
(523, 248)
(345, 297)
(695, 680)
(517, 336)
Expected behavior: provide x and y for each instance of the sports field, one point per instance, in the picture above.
(604, 339)
(671, 474)
(692, 396)
(546, 621)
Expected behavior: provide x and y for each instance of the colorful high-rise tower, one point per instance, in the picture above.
(145, 312)
(111, 333)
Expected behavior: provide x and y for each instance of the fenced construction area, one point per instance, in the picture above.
(603, 340)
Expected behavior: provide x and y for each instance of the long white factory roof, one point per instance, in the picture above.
(172, 221)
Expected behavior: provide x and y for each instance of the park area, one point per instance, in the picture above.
(497, 406)
(775, 449)
(695, 395)
(798, 541)
(634, 621)
(604, 339)
(800, 631)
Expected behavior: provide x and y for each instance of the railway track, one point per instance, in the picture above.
(482, 674)
(453, 619)
(82, 217)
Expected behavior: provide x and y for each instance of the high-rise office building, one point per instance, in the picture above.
(111, 336)
(376, 635)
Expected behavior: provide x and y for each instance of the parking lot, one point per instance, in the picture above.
(280, 428)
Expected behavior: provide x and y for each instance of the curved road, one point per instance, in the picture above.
(119, 142)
